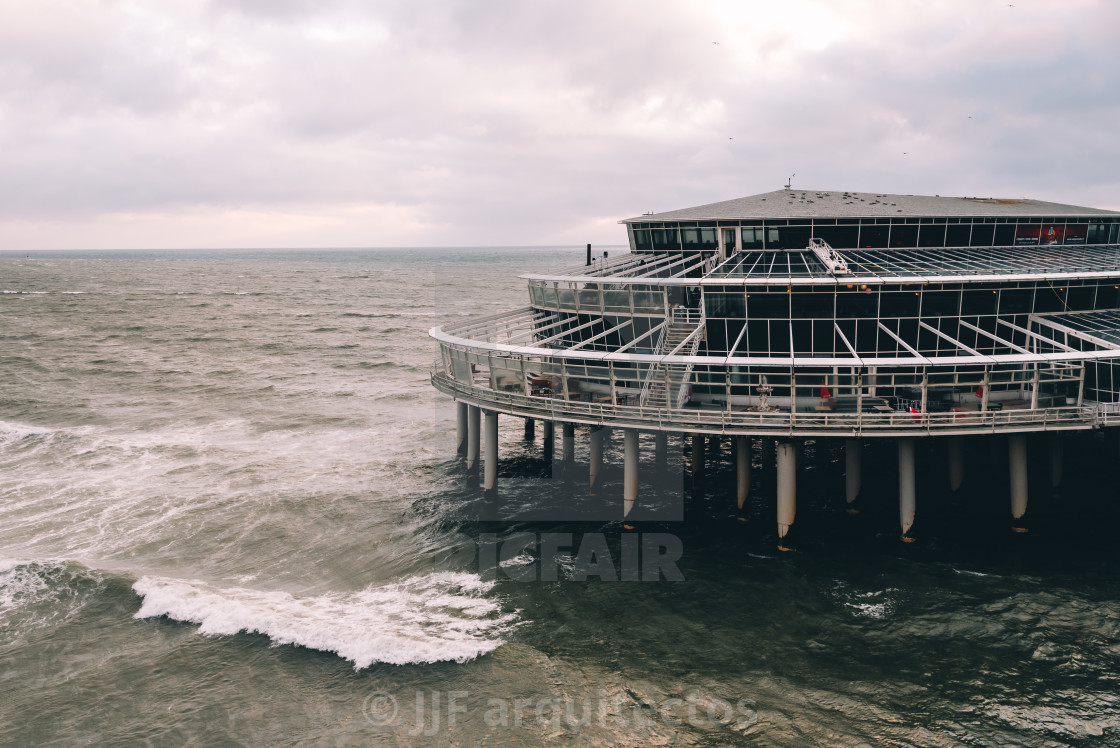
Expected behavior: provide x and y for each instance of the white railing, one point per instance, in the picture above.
(683, 392)
(685, 316)
(653, 368)
(807, 423)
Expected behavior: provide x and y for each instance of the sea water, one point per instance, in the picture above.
(231, 512)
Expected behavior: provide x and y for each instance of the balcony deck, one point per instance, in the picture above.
(741, 421)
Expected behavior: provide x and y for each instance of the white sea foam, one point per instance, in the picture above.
(10, 431)
(19, 585)
(433, 618)
(34, 594)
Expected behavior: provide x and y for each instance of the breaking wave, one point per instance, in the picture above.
(434, 618)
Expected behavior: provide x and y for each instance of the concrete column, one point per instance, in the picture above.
(907, 489)
(661, 449)
(461, 428)
(546, 439)
(1057, 460)
(568, 445)
(743, 469)
(956, 462)
(1017, 462)
(530, 429)
(630, 470)
(490, 472)
(697, 458)
(474, 435)
(853, 471)
(715, 448)
(787, 487)
(596, 461)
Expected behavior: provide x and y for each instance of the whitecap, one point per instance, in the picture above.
(434, 618)
(10, 431)
(34, 594)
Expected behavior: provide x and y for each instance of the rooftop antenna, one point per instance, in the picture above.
(790, 180)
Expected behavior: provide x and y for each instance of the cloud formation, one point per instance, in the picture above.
(343, 123)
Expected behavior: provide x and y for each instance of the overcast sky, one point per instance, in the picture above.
(313, 123)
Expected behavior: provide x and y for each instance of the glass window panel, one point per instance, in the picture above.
(812, 305)
(874, 236)
(1108, 296)
(978, 301)
(725, 305)
(796, 237)
(768, 305)
(1016, 300)
(958, 236)
(840, 237)
(899, 304)
(982, 235)
(932, 235)
(752, 238)
(904, 236)
(941, 303)
(1004, 235)
(1049, 299)
(1080, 298)
(665, 240)
(858, 303)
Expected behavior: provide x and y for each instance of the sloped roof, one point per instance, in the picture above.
(799, 203)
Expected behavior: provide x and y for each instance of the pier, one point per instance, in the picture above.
(835, 316)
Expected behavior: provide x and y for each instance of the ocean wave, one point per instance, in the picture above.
(434, 618)
(36, 594)
(10, 431)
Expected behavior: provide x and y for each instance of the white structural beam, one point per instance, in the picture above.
(603, 334)
(952, 340)
(643, 336)
(994, 337)
(1087, 337)
(901, 342)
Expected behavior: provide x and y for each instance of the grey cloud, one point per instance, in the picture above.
(511, 121)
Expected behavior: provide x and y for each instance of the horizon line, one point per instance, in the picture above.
(311, 249)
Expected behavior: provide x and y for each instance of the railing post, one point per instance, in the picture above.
(1081, 385)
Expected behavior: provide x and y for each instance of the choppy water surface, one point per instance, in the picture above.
(230, 510)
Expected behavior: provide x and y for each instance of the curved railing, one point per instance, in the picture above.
(774, 423)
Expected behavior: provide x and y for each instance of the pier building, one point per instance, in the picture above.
(814, 314)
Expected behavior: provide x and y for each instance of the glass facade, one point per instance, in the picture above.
(873, 233)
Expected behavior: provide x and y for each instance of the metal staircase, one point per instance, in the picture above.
(666, 385)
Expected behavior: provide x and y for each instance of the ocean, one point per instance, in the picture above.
(231, 512)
